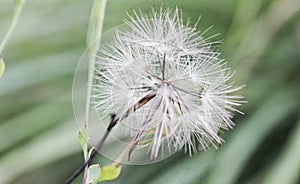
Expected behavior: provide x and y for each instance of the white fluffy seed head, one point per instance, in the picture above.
(159, 55)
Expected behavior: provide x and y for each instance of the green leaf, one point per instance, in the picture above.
(93, 173)
(90, 151)
(2, 66)
(83, 138)
(109, 172)
(97, 174)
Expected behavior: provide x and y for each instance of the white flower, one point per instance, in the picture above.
(166, 82)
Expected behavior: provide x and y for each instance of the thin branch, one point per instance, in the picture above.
(114, 121)
(94, 152)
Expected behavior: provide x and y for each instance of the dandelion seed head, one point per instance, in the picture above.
(159, 56)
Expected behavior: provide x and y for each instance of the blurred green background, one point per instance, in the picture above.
(261, 41)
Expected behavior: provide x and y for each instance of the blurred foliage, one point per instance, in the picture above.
(2, 67)
(261, 41)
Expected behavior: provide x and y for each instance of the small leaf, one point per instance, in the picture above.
(82, 136)
(93, 173)
(90, 151)
(109, 172)
(2, 66)
(82, 140)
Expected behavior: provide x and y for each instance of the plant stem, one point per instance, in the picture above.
(93, 42)
(114, 121)
(99, 146)
(17, 12)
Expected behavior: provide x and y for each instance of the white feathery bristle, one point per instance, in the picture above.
(159, 54)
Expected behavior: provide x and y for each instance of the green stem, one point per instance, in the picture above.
(93, 42)
(17, 12)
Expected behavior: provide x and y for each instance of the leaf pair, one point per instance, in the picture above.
(95, 172)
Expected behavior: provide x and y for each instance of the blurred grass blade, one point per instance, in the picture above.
(37, 71)
(17, 12)
(54, 145)
(31, 124)
(249, 136)
(187, 171)
(141, 174)
(287, 168)
(264, 29)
